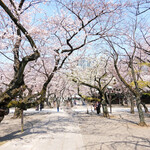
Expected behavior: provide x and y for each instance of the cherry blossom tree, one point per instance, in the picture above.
(96, 77)
(19, 66)
(67, 31)
(126, 49)
(70, 34)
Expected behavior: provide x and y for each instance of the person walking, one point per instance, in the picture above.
(58, 104)
(98, 107)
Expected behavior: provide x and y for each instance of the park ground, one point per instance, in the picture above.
(74, 129)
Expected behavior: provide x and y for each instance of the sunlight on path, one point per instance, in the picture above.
(58, 131)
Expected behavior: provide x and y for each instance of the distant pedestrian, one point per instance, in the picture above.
(58, 103)
(98, 107)
(57, 108)
(41, 106)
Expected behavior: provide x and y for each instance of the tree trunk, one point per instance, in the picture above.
(87, 111)
(146, 109)
(22, 124)
(2, 114)
(132, 106)
(110, 98)
(71, 103)
(3, 111)
(140, 111)
(17, 113)
(105, 110)
(100, 108)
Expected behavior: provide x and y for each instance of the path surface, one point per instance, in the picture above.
(56, 131)
(74, 129)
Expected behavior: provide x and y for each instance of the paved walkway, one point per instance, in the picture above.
(57, 131)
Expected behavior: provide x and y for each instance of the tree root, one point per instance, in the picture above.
(142, 124)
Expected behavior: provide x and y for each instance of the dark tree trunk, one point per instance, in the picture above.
(2, 114)
(146, 109)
